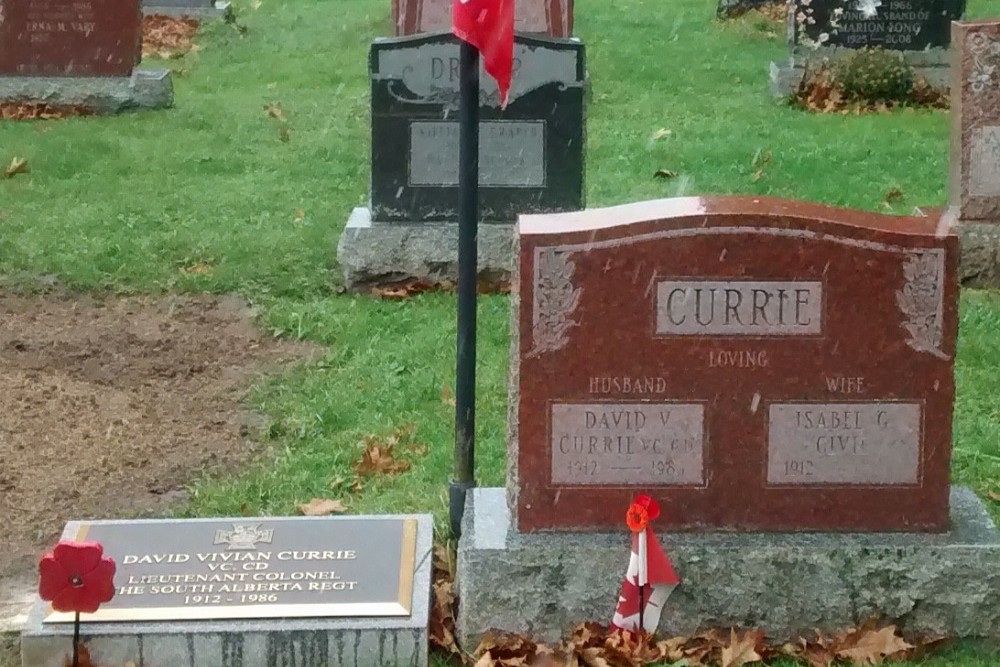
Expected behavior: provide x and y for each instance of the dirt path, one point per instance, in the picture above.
(108, 407)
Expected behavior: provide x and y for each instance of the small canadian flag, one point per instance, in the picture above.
(650, 577)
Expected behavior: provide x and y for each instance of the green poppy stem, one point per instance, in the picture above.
(76, 641)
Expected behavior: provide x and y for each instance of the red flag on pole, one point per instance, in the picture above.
(650, 577)
(489, 26)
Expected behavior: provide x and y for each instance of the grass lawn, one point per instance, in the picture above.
(127, 204)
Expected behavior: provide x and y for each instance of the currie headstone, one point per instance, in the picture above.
(77, 52)
(975, 151)
(241, 592)
(547, 17)
(531, 156)
(779, 376)
(819, 30)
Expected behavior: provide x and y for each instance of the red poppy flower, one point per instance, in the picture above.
(637, 518)
(76, 576)
(651, 506)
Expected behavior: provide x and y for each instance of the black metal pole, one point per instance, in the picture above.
(468, 223)
(76, 640)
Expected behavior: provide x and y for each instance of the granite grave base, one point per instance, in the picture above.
(263, 642)
(380, 253)
(187, 9)
(144, 89)
(542, 584)
(980, 265)
(785, 77)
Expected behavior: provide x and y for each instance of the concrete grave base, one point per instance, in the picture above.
(373, 253)
(145, 89)
(785, 77)
(302, 642)
(543, 584)
(188, 10)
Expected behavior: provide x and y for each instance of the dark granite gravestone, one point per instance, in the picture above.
(531, 153)
(531, 157)
(898, 25)
(818, 30)
(78, 53)
(245, 592)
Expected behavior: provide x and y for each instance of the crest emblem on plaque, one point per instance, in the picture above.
(243, 536)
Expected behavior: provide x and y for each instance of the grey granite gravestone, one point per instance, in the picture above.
(197, 9)
(820, 30)
(531, 156)
(267, 592)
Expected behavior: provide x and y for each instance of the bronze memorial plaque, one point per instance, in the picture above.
(198, 569)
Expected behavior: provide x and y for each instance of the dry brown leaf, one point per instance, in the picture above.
(167, 36)
(275, 111)
(993, 495)
(322, 507)
(378, 458)
(893, 194)
(40, 111)
(741, 650)
(300, 215)
(18, 165)
(447, 397)
(199, 269)
(867, 646)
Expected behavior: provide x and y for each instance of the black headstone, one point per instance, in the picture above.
(898, 25)
(531, 153)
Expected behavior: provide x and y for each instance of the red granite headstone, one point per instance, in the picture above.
(975, 157)
(70, 37)
(754, 364)
(549, 17)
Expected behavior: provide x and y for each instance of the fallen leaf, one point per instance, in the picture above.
(741, 650)
(168, 37)
(199, 269)
(275, 111)
(322, 507)
(893, 194)
(660, 134)
(664, 173)
(18, 165)
(378, 458)
(447, 397)
(993, 495)
(871, 647)
(300, 215)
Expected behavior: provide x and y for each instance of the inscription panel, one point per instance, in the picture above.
(69, 37)
(511, 153)
(984, 175)
(844, 443)
(627, 444)
(256, 568)
(739, 308)
(899, 25)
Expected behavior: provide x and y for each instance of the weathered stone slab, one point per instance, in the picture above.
(549, 17)
(788, 584)
(69, 37)
(196, 9)
(144, 89)
(290, 600)
(379, 253)
(752, 363)
(531, 153)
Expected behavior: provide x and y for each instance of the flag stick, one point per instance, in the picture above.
(468, 222)
(643, 576)
(76, 640)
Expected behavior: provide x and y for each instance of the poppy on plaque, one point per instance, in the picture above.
(76, 577)
(650, 578)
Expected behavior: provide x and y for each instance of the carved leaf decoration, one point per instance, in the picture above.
(555, 301)
(920, 301)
